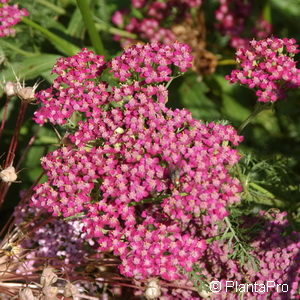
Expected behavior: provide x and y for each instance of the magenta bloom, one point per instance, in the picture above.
(232, 16)
(139, 172)
(154, 26)
(268, 67)
(10, 15)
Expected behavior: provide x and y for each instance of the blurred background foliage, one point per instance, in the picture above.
(270, 165)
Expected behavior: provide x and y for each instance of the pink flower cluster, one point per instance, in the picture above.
(142, 3)
(10, 15)
(268, 67)
(158, 252)
(276, 249)
(154, 25)
(75, 90)
(151, 62)
(232, 17)
(139, 172)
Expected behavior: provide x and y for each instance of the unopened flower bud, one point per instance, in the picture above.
(26, 294)
(9, 88)
(153, 290)
(9, 174)
(48, 277)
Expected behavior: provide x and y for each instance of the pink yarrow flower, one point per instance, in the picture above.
(268, 67)
(10, 15)
(138, 171)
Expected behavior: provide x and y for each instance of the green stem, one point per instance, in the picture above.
(16, 49)
(262, 190)
(228, 223)
(267, 15)
(90, 26)
(170, 81)
(226, 62)
(59, 10)
(61, 44)
(259, 107)
(113, 30)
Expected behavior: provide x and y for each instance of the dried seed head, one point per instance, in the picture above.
(70, 290)
(26, 94)
(48, 277)
(153, 290)
(9, 174)
(26, 294)
(9, 88)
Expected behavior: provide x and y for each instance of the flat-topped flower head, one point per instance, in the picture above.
(268, 67)
(152, 62)
(74, 88)
(136, 170)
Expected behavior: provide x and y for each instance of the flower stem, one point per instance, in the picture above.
(4, 186)
(14, 141)
(259, 107)
(226, 62)
(5, 110)
(113, 30)
(59, 10)
(90, 26)
(267, 12)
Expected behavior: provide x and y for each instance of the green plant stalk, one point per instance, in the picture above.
(59, 10)
(170, 81)
(61, 44)
(262, 190)
(16, 49)
(259, 107)
(113, 30)
(269, 199)
(267, 15)
(90, 26)
(226, 62)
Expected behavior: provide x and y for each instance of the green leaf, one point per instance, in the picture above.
(231, 106)
(291, 7)
(233, 109)
(32, 164)
(59, 43)
(76, 26)
(31, 67)
(193, 96)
